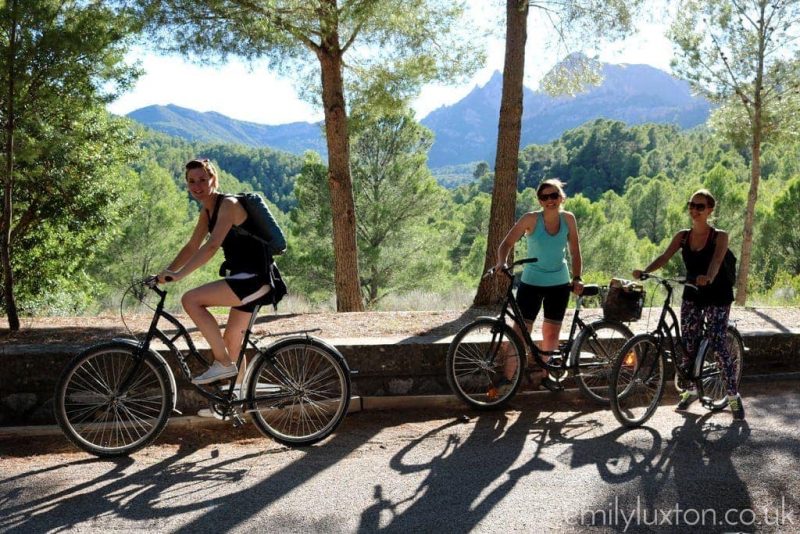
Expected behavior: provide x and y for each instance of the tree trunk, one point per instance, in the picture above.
(504, 196)
(749, 216)
(348, 293)
(755, 165)
(5, 222)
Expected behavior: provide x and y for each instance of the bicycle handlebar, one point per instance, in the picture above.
(509, 268)
(664, 280)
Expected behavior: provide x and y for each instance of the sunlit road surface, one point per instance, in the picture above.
(537, 467)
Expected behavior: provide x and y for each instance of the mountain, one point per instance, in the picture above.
(467, 130)
(295, 137)
(635, 94)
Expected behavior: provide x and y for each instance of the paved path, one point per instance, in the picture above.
(533, 468)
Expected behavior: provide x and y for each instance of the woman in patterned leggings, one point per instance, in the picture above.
(703, 249)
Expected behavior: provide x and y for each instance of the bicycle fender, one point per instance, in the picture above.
(138, 345)
(275, 345)
(307, 339)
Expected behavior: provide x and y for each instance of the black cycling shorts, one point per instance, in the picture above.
(554, 298)
(250, 288)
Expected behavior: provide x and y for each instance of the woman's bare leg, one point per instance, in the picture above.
(550, 332)
(196, 303)
(234, 334)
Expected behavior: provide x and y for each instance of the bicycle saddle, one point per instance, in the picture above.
(590, 290)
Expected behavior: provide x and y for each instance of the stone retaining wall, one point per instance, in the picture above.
(386, 367)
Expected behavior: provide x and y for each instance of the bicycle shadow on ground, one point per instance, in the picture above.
(457, 477)
(148, 495)
(654, 476)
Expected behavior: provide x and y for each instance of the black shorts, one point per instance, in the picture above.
(555, 298)
(251, 289)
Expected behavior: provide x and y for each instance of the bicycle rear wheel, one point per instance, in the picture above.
(99, 418)
(712, 386)
(485, 361)
(594, 351)
(637, 380)
(298, 391)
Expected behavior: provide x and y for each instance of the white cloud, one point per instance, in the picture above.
(233, 89)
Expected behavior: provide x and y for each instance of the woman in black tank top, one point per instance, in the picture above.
(245, 284)
(703, 249)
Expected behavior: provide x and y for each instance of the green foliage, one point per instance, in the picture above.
(400, 236)
(257, 169)
(309, 258)
(396, 200)
(60, 62)
(786, 234)
(416, 239)
(742, 55)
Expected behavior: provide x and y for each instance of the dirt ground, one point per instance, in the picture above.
(88, 330)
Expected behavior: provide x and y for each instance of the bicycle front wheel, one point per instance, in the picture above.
(594, 351)
(299, 391)
(637, 380)
(712, 384)
(485, 361)
(101, 418)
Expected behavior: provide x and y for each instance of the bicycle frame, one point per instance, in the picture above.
(668, 331)
(227, 400)
(512, 310)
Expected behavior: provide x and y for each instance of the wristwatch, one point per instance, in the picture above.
(577, 279)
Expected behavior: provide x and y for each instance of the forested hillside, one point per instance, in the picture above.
(420, 244)
(467, 130)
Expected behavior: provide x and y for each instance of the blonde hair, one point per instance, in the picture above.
(205, 164)
(552, 182)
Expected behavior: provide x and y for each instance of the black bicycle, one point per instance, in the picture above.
(486, 359)
(639, 373)
(115, 398)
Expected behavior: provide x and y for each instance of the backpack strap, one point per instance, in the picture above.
(212, 217)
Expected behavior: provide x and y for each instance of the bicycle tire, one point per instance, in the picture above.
(637, 380)
(712, 387)
(597, 344)
(309, 385)
(472, 372)
(92, 415)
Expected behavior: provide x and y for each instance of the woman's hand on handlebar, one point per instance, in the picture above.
(168, 276)
(702, 280)
(577, 287)
(637, 274)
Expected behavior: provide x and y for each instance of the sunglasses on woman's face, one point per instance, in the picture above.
(549, 196)
(693, 206)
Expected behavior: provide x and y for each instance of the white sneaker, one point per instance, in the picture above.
(209, 413)
(217, 371)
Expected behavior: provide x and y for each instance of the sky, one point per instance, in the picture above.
(252, 93)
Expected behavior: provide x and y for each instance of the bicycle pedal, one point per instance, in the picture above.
(237, 420)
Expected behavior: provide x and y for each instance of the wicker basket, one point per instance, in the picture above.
(624, 301)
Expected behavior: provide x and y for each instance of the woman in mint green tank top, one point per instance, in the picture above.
(546, 283)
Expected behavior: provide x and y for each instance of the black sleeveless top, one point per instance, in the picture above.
(243, 254)
(717, 293)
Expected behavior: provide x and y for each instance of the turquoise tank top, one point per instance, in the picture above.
(551, 269)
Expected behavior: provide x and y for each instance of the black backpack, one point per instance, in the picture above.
(267, 229)
(728, 267)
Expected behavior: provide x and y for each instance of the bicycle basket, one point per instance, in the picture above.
(623, 301)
